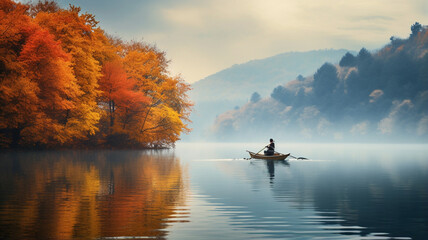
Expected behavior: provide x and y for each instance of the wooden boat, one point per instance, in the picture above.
(276, 156)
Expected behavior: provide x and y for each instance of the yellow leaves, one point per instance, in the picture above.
(19, 98)
(53, 91)
(75, 34)
(162, 126)
(147, 66)
(104, 49)
(160, 123)
(83, 120)
(175, 95)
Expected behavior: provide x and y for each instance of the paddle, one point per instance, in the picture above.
(301, 158)
(261, 150)
(298, 158)
(256, 153)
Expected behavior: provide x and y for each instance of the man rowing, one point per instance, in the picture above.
(270, 148)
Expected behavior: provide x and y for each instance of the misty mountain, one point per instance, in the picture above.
(366, 97)
(241, 80)
(234, 86)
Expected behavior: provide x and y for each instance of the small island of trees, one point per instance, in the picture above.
(64, 82)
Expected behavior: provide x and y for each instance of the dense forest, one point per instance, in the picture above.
(64, 82)
(380, 95)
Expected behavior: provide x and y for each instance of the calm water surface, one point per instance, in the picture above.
(209, 191)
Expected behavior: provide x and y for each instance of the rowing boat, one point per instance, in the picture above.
(276, 156)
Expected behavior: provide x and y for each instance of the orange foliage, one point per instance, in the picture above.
(74, 31)
(16, 92)
(61, 76)
(162, 122)
(37, 82)
(48, 65)
(64, 196)
(118, 91)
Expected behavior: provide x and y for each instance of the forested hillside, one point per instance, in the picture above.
(368, 96)
(234, 86)
(65, 82)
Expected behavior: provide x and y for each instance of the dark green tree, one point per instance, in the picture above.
(348, 60)
(325, 80)
(255, 97)
(416, 28)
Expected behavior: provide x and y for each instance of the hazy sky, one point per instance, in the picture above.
(203, 37)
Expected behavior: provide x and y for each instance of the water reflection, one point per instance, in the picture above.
(391, 205)
(270, 164)
(380, 195)
(354, 193)
(89, 194)
(345, 192)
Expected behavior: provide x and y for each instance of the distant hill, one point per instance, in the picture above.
(241, 80)
(370, 96)
(234, 86)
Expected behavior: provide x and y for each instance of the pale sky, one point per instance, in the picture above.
(202, 37)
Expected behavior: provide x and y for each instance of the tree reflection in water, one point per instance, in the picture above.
(89, 194)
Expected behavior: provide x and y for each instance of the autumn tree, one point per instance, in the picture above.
(48, 66)
(37, 84)
(162, 121)
(146, 106)
(62, 77)
(43, 6)
(118, 91)
(17, 92)
(75, 31)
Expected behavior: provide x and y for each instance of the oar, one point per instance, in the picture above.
(298, 158)
(301, 158)
(261, 150)
(256, 153)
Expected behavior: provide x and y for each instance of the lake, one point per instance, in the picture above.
(211, 191)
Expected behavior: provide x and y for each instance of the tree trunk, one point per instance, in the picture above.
(16, 137)
(111, 105)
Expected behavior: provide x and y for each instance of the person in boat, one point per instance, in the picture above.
(270, 148)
